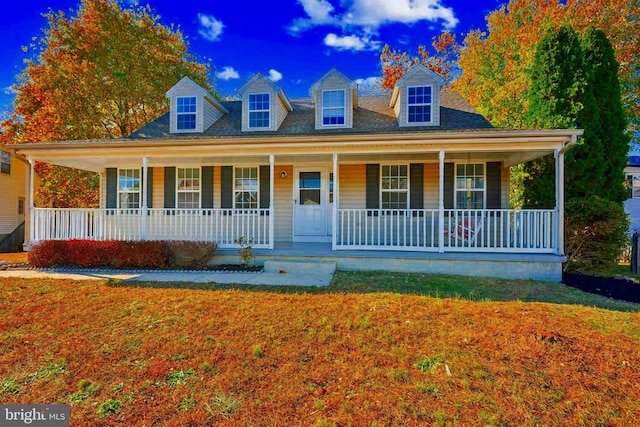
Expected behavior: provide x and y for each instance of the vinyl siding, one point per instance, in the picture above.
(187, 90)
(210, 114)
(259, 86)
(418, 79)
(352, 186)
(12, 187)
(282, 111)
(431, 185)
(332, 83)
(283, 203)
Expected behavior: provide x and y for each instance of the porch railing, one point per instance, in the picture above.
(217, 225)
(489, 230)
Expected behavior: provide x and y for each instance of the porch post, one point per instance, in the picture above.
(271, 199)
(143, 217)
(559, 155)
(441, 202)
(29, 205)
(334, 222)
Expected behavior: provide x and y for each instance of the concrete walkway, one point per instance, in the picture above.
(278, 277)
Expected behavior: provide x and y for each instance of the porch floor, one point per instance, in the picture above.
(545, 267)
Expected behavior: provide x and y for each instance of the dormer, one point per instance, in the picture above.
(193, 109)
(264, 104)
(336, 97)
(416, 97)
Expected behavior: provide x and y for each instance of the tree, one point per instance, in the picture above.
(102, 73)
(395, 64)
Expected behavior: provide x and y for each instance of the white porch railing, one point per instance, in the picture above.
(222, 226)
(490, 230)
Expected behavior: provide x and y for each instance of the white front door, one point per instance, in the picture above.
(310, 204)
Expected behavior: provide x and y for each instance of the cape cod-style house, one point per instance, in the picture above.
(13, 188)
(415, 180)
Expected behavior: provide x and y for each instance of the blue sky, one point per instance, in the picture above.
(293, 41)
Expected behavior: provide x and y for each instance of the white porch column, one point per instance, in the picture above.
(336, 187)
(29, 205)
(559, 155)
(143, 217)
(441, 202)
(271, 199)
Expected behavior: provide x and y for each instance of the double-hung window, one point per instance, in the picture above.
(259, 110)
(246, 187)
(128, 188)
(186, 109)
(634, 181)
(188, 188)
(333, 107)
(470, 186)
(394, 187)
(419, 104)
(5, 162)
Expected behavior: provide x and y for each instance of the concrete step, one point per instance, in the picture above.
(299, 267)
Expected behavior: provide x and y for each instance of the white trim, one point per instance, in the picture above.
(344, 109)
(484, 180)
(324, 199)
(118, 192)
(199, 168)
(178, 114)
(249, 110)
(407, 190)
(407, 105)
(272, 225)
(441, 155)
(235, 167)
(334, 213)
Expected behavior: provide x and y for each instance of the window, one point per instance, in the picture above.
(259, 108)
(5, 162)
(188, 191)
(21, 206)
(186, 112)
(419, 104)
(128, 188)
(470, 186)
(634, 180)
(246, 188)
(333, 109)
(394, 187)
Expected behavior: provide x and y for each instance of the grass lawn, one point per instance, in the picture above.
(371, 349)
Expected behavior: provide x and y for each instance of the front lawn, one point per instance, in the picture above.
(124, 355)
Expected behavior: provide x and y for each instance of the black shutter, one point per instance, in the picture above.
(373, 186)
(170, 187)
(449, 180)
(150, 187)
(207, 187)
(112, 188)
(416, 183)
(265, 188)
(226, 187)
(494, 185)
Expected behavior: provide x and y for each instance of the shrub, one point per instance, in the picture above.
(596, 233)
(48, 253)
(187, 254)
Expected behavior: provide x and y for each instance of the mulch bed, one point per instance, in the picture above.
(618, 287)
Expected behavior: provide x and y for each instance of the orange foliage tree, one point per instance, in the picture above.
(495, 62)
(101, 73)
(395, 64)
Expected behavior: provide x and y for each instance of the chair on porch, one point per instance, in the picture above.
(466, 230)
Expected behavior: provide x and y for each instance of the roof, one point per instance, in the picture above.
(373, 115)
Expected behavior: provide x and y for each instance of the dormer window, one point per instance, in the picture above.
(259, 110)
(419, 104)
(186, 112)
(333, 107)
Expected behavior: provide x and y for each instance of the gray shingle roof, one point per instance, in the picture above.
(373, 115)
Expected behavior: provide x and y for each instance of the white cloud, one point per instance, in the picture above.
(370, 85)
(275, 75)
(227, 73)
(318, 12)
(210, 27)
(351, 42)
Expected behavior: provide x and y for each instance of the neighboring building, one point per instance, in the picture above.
(632, 205)
(13, 189)
(415, 180)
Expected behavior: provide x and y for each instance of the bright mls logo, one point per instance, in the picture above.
(34, 415)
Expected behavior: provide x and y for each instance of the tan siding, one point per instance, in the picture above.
(259, 86)
(282, 112)
(12, 186)
(283, 203)
(210, 115)
(216, 187)
(158, 187)
(417, 79)
(431, 185)
(332, 83)
(353, 185)
(505, 187)
(103, 189)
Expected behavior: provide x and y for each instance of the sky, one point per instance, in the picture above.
(294, 42)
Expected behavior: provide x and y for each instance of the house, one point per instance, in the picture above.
(416, 180)
(13, 189)
(632, 204)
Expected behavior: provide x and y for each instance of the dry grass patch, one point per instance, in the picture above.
(175, 357)
(14, 257)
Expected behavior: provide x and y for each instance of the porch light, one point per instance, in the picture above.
(283, 174)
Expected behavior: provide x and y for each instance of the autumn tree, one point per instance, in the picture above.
(99, 73)
(442, 61)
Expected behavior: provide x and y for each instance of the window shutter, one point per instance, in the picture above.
(150, 187)
(494, 185)
(207, 187)
(449, 180)
(265, 190)
(416, 185)
(112, 188)
(170, 187)
(373, 186)
(226, 187)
